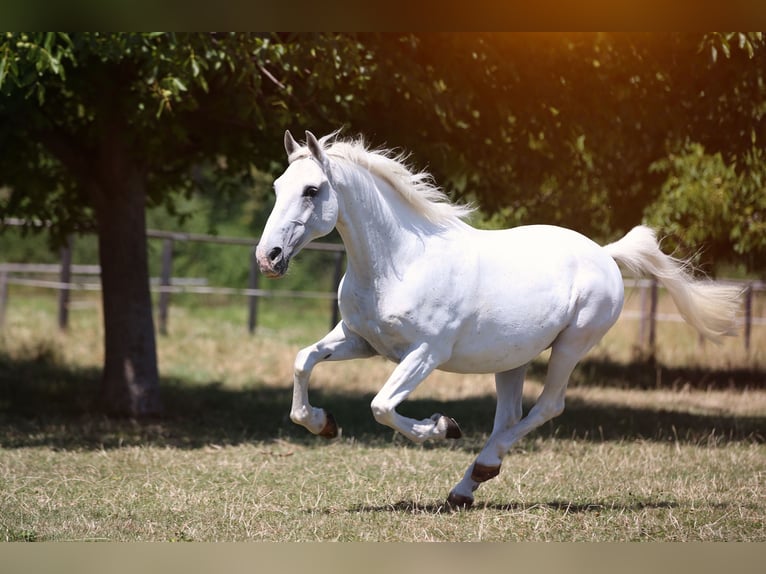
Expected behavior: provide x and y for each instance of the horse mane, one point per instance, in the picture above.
(417, 188)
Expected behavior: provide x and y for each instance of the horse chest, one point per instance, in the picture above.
(390, 323)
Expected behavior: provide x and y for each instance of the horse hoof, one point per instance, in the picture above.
(482, 473)
(458, 501)
(330, 429)
(453, 430)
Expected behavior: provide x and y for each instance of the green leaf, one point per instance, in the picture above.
(203, 83)
(3, 66)
(725, 47)
(54, 64)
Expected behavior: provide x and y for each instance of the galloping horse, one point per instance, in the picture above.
(428, 291)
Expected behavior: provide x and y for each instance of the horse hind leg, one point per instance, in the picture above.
(509, 386)
(571, 345)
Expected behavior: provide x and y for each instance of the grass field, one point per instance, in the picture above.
(670, 450)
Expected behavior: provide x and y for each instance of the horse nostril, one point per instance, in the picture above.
(275, 253)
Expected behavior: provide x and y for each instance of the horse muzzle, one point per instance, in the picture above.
(272, 261)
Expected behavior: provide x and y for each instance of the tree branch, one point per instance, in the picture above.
(270, 76)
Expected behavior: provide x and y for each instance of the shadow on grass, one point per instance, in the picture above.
(562, 506)
(43, 403)
(650, 375)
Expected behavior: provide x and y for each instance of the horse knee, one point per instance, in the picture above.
(381, 411)
(301, 364)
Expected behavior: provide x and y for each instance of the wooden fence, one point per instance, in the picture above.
(253, 292)
(649, 316)
(70, 278)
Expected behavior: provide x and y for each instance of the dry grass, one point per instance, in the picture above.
(551, 490)
(666, 451)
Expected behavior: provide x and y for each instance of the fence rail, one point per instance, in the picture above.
(69, 274)
(71, 277)
(252, 292)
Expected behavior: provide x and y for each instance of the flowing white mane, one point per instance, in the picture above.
(416, 187)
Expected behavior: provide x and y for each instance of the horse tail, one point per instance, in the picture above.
(710, 307)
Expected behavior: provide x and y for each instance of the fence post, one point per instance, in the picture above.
(338, 275)
(653, 319)
(65, 277)
(165, 276)
(643, 332)
(252, 299)
(748, 315)
(648, 325)
(3, 295)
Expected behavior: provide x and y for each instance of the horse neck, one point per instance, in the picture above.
(382, 232)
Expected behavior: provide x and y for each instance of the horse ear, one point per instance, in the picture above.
(291, 146)
(316, 150)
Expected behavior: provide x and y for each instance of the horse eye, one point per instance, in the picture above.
(310, 191)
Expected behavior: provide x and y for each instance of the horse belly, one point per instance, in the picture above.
(495, 346)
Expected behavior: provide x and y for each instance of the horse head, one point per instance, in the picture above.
(306, 206)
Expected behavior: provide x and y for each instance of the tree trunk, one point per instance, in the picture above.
(113, 174)
(130, 380)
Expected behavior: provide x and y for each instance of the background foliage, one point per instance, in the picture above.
(591, 131)
(573, 128)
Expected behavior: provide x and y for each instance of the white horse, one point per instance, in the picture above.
(428, 291)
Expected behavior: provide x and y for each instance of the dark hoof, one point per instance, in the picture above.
(453, 430)
(458, 501)
(481, 473)
(330, 429)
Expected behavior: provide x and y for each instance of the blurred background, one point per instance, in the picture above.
(107, 135)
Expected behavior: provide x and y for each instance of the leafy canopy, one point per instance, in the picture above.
(217, 101)
(585, 130)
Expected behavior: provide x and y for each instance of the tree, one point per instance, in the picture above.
(707, 201)
(569, 128)
(94, 127)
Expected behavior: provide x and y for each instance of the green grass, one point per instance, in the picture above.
(671, 451)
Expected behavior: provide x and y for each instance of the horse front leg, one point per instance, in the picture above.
(409, 373)
(340, 344)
